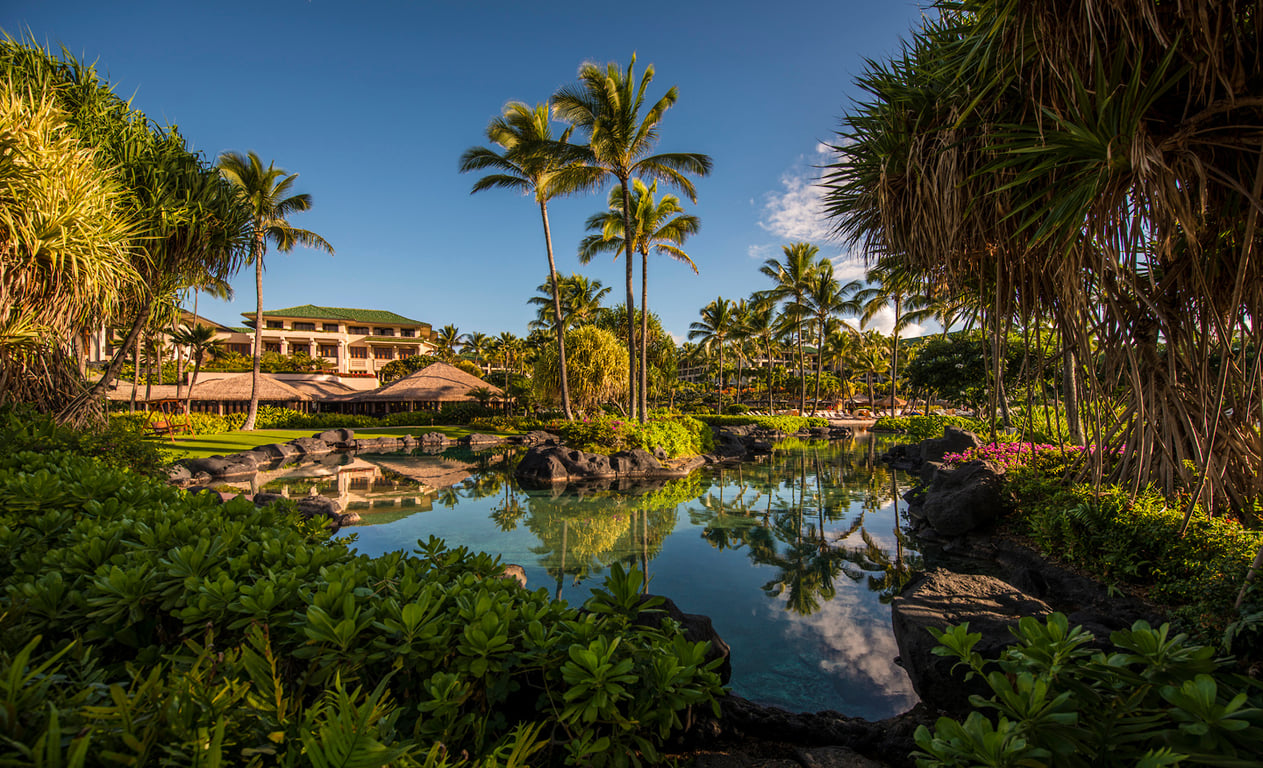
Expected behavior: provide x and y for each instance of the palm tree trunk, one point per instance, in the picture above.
(770, 371)
(561, 331)
(258, 335)
(150, 353)
(644, 336)
(719, 391)
(802, 372)
(1071, 383)
(819, 364)
(631, 299)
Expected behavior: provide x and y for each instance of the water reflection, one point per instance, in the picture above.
(793, 557)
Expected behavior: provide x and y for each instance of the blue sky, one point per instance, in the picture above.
(372, 103)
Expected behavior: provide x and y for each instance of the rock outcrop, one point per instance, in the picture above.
(960, 500)
(939, 599)
(546, 466)
(696, 628)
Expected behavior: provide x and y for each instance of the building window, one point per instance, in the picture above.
(304, 326)
(275, 324)
(329, 350)
(359, 353)
(330, 328)
(408, 333)
(241, 349)
(270, 347)
(383, 331)
(361, 330)
(383, 353)
(407, 351)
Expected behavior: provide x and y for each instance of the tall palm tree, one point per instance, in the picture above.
(792, 281)
(761, 324)
(741, 335)
(199, 340)
(266, 192)
(870, 360)
(529, 162)
(891, 285)
(712, 331)
(828, 299)
(606, 105)
(660, 225)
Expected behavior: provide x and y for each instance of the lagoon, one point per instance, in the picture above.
(794, 558)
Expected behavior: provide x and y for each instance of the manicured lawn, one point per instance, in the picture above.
(201, 446)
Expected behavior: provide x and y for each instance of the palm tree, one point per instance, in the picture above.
(528, 162)
(580, 301)
(827, 299)
(447, 340)
(891, 285)
(199, 340)
(870, 360)
(761, 323)
(658, 224)
(476, 344)
(792, 278)
(713, 330)
(606, 104)
(266, 192)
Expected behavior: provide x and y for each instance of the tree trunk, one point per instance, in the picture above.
(258, 335)
(894, 357)
(628, 237)
(561, 331)
(135, 374)
(1070, 379)
(819, 365)
(770, 371)
(802, 373)
(644, 336)
(719, 392)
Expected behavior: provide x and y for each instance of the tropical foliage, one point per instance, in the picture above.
(597, 369)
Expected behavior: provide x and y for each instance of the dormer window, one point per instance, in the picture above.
(383, 331)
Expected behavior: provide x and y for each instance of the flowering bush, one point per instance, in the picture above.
(1007, 455)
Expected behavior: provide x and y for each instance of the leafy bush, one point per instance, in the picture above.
(736, 409)
(120, 443)
(1136, 541)
(140, 623)
(1155, 700)
(917, 428)
(677, 435)
(787, 424)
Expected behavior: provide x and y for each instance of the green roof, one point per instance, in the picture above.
(311, 311)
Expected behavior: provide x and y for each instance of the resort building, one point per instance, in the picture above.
(355, 341)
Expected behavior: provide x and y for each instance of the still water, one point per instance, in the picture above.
(794, 557)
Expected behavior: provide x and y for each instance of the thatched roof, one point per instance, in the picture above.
(122, 392)
(436, 383)
(232, 388)
(323, 390)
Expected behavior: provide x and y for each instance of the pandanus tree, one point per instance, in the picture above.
(1096, 163)
(657, 224)
(712, 332)
(266, 191)
(530, 161)
(609, 106)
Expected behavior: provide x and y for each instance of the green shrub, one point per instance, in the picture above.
(120, 443)
(1154, 700)
(786, 424)
(737, 409)
(143, 624)
(917, 428)
(1136, 541)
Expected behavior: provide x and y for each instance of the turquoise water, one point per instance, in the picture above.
(794, 558)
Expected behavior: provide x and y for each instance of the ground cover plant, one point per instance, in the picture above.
(1155, 699)
(786, 424)
(675, 435)
(141, 624)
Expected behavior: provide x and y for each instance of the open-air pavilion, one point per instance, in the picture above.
(430, 388)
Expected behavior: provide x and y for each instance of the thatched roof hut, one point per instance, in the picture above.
(429, 387)
(232, 394)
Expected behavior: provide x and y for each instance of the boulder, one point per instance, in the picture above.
(515, 573)
(954, 440)
(636, 462)
(431, 438)
(319, 506)
(964, 499)
(277, 450)
(349, 518)
(939, 599)
(695, 627)
(558, 464)
(220, 467)
(478, 438)
(311, 446)
(260, 458)
(537, 437)
(178, 474)
(263, 499)
(339, 437)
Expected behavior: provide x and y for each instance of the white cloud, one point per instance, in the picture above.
(884, 321)
(796, 212)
